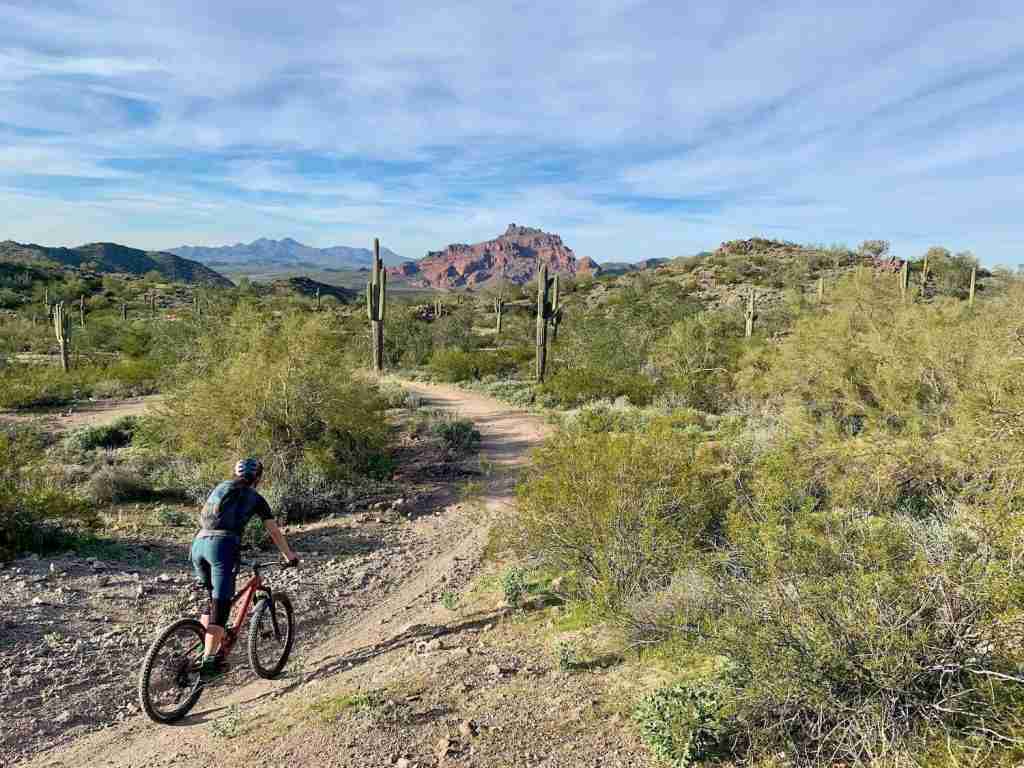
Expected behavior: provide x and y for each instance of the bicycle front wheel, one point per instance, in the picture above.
(169, 679)
(271, 635)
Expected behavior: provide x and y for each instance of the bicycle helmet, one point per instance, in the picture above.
(250, 469)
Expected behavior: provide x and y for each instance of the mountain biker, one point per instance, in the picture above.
(216, 548)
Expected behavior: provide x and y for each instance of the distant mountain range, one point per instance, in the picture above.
(111, 257)
(514, 256)
(285, 253)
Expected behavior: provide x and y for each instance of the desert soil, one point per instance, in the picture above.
(406, 654)
(85, 413)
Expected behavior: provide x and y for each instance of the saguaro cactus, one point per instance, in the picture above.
(152, 303)
(317, 299)
(905, 280)
(62, 329)
(821, 290)
(376, 293)
(81, 310)
(750, 313)
(499, 309)
(974, 285)
(547, 310)
(124, 311)
(556, 308)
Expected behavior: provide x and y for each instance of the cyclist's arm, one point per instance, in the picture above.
(278, 536)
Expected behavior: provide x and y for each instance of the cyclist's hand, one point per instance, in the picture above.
(293, 563)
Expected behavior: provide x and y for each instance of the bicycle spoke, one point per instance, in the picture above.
(175, 674)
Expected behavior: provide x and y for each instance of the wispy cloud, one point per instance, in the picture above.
(633, 128)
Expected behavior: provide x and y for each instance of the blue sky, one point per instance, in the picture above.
(633, 129)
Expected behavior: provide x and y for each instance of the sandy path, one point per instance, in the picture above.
(83, 414)
(393, 614)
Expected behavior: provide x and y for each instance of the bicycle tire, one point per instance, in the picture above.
(286, 622)
(145, 674)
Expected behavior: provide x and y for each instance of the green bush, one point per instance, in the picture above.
(116, 484)
(849, 541)
(513, 586)
(699, 357)
(455, 365)
(572, 386)
(35, 515)
(458, 436)
(115, 435)
(604, 416)
(30, 386)
(684, 724)
(619, 509)
(283, 390)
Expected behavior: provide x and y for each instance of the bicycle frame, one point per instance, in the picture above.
(243, 601)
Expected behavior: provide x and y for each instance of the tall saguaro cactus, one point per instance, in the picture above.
(974, 285)
(81, 310)
(124, 311)
(376, 293)
(318, 300)
(548, 310)
(62, 330)
(499, 310)
(750, 314)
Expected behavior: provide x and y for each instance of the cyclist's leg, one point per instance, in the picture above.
(203, 566)
(222, 554)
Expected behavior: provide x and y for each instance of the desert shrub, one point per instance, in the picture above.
(619, 510)
(699, 357)
(456, 365)
(115, 435)
(852, 642)
(605, 416)
(454, 331)
(684, 724)
(571, 386)
(176, 517)
(279, 389)
(117, 484)
(35, 514)
(950, 275)
(394, 395)
(28, 386)
(458, 436)
(513, 586)
(408, 342)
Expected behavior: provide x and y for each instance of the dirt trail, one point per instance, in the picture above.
(88, 413)
(397, 610)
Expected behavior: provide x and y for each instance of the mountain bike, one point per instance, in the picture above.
(169, 684)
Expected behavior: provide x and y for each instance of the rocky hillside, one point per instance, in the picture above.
(514, 256)
(285, 253)
(110, 257)
(304, 286)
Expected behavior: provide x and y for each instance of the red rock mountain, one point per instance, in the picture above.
(514, 256)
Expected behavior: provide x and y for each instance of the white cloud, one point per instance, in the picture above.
(821, 120)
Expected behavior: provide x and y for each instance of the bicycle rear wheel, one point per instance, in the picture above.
(169, 679)
(270, 646)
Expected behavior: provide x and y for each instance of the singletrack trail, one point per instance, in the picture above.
(84, 414)
(396, 610)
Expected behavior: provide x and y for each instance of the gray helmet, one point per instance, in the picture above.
(250, 469)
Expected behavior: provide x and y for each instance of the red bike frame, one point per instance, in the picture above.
(241, 604)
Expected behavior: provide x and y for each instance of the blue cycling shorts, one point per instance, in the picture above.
(215, 562)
